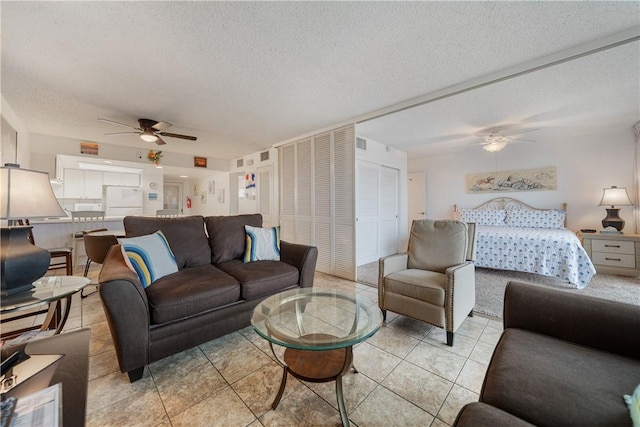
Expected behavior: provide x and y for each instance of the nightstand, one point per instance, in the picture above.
(613, 253)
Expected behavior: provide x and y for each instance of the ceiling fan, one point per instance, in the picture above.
(495, 139)
(150, 130)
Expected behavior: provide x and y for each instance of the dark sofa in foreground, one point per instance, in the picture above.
(562, 360)
(212, 294)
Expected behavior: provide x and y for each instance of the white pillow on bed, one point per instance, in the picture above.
(483, 216)
(551, 218)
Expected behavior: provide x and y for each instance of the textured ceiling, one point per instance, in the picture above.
(243, 76)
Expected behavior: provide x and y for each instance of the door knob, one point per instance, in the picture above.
(421, 213)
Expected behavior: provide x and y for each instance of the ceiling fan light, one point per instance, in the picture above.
(495, 143)
(148, 135)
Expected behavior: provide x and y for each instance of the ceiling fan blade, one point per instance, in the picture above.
(162, 126)
(119, 133)
(160, 141)
(118, 123)
(522, 131)
(177, 135)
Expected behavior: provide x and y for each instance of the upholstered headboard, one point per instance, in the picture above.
(508, 203)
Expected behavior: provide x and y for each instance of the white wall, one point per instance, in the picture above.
(251, 163)
(209, 206)
(149, 207)
(24, 138)
(586, 163)
(45, 147)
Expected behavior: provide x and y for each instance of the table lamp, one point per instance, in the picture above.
(613, 197)
(24, 194)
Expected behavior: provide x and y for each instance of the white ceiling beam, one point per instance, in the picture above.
(618, 39)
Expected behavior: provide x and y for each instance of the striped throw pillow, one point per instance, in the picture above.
(149, 256)
(263, 244)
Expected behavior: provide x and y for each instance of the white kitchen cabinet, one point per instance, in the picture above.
(121, 179)
(82, 184)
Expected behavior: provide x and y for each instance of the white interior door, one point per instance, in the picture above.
(376, 211)
(417, 191)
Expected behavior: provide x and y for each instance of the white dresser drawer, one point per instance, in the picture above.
(612, 246)
(614, 260)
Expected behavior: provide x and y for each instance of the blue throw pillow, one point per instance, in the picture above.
(149, 256)
(263, 244)
(633, 402)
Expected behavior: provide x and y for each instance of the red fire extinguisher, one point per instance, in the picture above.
(188, 203)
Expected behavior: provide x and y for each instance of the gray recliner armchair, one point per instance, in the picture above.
(434, 281)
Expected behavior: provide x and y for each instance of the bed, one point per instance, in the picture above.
(511, 235)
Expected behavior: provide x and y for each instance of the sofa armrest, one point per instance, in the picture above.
(606, 325)
(302, 257)
(127, 310)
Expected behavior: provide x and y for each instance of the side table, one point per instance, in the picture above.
(47, 297)
(613, 253)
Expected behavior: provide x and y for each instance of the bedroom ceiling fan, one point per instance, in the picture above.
(149, 130)
(495, 139)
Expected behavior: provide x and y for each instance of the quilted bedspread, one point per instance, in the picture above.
(550, 252)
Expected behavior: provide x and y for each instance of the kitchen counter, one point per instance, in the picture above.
(56, 233)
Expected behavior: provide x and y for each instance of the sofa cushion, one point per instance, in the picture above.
(570, 385)
(262, 244)
(186, 236)
(261, 278)
(227, 237)
(190, 291)
(149, 256)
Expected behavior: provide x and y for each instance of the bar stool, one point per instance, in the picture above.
(96, 248)
(84, 222)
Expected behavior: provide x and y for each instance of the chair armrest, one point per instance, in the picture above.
(606, 325)
(387, 265)
(302, 257)
(461, 289)
(391, 264)
(127, 310)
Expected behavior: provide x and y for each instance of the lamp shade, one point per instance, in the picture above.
(615, 196)
(26, 193)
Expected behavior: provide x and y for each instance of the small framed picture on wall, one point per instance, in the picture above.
(200, 162)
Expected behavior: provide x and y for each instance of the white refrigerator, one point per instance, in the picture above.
(123, 201)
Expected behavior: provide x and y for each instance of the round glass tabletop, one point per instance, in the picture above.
(314, 319)
(47, 289)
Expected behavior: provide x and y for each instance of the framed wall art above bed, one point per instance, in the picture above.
(538, 179)
(511, 235)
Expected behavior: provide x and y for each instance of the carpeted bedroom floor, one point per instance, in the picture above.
(490, 285)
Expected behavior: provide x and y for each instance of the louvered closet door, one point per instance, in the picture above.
(344, 215)
(287, 193)
(304, 191)
(322, 201)
(316, 197)
(265, 195)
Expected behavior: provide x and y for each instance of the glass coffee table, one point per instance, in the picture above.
(47, 296)
(319, 329)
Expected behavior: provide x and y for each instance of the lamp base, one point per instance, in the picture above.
(21, 263)
(613, 219)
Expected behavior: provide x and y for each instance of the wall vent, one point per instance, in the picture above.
(361, 143)
(239, 163)
(264, 156)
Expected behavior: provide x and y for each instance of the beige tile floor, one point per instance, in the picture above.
(407, 376)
